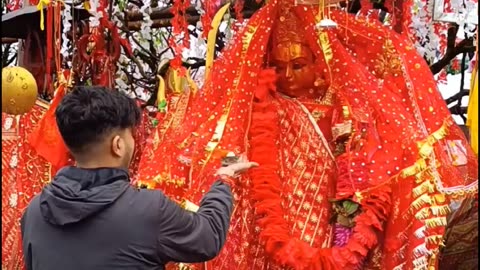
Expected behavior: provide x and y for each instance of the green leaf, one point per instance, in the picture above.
(162, 106)
(122, 4)
(350, 207)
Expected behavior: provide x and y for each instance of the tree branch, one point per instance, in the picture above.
(453, 49)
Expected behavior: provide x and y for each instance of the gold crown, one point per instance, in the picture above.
(287, 28)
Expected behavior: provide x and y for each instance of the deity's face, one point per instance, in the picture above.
(295, 65)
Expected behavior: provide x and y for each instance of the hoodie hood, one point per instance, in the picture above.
(76, 194)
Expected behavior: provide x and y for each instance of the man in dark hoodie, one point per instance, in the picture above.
(90, 217)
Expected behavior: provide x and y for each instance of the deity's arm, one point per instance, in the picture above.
(186, 236)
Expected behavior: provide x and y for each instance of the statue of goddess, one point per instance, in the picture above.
(358, 155)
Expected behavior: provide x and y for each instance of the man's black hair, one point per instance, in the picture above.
(88, 113)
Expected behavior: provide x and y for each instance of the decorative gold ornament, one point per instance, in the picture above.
(286, 30)
(19, 90)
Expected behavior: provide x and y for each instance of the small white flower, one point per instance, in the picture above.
(8, 123)
(13, 161)
(121, 84)
(13, 200)
(94, 21)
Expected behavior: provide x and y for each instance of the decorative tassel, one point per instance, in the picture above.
(419, 166)
(435, 239)
(436, 222)
(426, 186)
(425, 147)
(420, 250)
(420, 177)
(420, 263)
(420, 232)
(440, 210)
(422, 214)
(421, 201)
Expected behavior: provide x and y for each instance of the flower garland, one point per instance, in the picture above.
(429, 36)
(66, 19)
(95, 12)
(423, 31)
(146, 26)
(180, 29)
(121, 80)
(274, 230)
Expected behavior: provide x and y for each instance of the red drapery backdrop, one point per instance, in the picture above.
(23, 175)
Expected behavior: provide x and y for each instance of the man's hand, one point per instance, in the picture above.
(237, 168)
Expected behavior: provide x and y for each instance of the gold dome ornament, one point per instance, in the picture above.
(19, 90)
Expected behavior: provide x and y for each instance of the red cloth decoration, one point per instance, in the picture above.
(23, 175)
(46, 138)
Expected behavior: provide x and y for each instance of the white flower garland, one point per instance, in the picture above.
(146, 27)
(95, 15)
(66, 21)
(427, 41)
(462, 10)
(120, 77)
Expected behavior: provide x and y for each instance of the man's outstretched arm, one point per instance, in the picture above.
(199, 236)
(186, 236)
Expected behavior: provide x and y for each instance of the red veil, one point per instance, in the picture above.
(414, 158)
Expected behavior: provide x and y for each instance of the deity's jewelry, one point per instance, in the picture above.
(318, 82)
(327, 99)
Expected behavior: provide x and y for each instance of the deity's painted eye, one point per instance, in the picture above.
(298, 66)
(280, 68)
